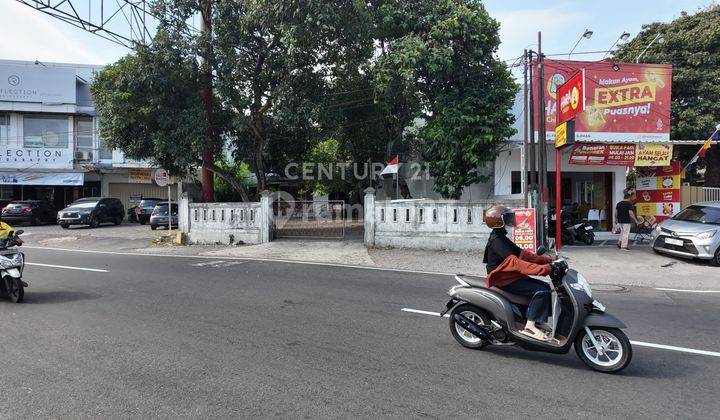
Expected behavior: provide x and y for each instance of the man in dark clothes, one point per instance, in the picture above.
(625, 217)
(509, 268)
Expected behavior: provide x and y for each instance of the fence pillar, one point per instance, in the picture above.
(265, 216)
(184, 213)
(369, 216)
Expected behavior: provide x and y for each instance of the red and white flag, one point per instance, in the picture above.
(392, 167)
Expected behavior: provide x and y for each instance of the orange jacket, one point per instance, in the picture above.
(514, 268)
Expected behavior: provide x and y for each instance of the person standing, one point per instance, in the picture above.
(625, 217)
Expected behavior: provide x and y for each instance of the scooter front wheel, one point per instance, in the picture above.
(13, 289)
(463, 336)
(610, 352)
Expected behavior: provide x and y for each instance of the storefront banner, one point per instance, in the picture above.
(524, 231)
(36, 157)
(589, 154)
(139, 176)
(624, 101)
(34, 83)
(658, 191)
(653, 154)
(620, 154)
(39, 178)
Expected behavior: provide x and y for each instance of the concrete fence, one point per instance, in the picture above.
(226, 223)
(428, 224)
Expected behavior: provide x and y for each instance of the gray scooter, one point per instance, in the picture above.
(481, 316)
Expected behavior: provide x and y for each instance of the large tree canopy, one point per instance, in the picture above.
(290, 75)
(692, 45)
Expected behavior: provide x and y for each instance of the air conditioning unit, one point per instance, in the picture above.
(83, 155)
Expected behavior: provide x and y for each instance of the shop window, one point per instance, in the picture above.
(516, 183)
(4, 129)
(104, 151)
(49, 131)
(85, 134)
(6, 192)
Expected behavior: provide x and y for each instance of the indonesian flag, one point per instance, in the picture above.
(392, 167)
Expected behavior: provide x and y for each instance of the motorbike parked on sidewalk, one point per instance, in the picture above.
(12, 263)
(583, 231)
(568, 231)
(481, 316)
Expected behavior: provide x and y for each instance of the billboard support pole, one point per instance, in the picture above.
(558, 201)
(524, 168)
(531, 123)
(543, 145)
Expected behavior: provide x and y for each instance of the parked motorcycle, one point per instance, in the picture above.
(481, 316)
(584, 232)
(12, 263)
(568, 231)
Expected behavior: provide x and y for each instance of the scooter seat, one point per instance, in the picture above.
(481, 282)
(517, 299)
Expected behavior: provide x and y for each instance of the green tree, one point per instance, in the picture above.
(442, 67)
(692, 46)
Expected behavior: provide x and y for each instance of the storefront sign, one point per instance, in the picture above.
(139, 176)
(40, 178)
(36, 83)
(565, 134)
(35, 157)
(620, 154)
(623, 101)
(161, 177)
(653, 154)
(658, 191)
(524, 232)
(589, 154)
(571, 98)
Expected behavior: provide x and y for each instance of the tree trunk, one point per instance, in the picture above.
(208, 154)
(229, 178)
(712, 163)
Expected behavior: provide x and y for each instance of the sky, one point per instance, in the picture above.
(28, 34)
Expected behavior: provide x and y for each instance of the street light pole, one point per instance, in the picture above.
(659, 38)
(623, 37)
(587, 34)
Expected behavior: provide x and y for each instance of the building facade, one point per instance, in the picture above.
(50, 147)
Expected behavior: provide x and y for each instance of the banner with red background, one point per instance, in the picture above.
(658, 191)
(631, 103)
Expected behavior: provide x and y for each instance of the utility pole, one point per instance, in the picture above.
(208, 154)
(524, 169)
(531, 118)
(543, 144)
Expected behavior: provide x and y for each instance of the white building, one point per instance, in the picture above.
(49, 142)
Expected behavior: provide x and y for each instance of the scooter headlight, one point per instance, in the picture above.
(584, 285)
(15, 261)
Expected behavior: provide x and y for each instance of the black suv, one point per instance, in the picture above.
(92, 211)
(29, 211)
(145, 209)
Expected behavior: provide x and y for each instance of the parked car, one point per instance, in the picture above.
(692, 233)
(33, 212)
(92, 211)
(159, 215)
(145, 208)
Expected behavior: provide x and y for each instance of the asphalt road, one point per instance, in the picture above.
(197, 337)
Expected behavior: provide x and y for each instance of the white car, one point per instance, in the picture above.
(692, 233)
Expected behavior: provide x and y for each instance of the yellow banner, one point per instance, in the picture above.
(636, 93)
(653, 154)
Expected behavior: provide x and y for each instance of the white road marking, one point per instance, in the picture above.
(96, 270)
(141, 254)
(673, 348)
(635, 343)
(218, 263)
(686, 290)
(417, 311)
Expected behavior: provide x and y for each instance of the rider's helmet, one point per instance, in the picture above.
(498, 216)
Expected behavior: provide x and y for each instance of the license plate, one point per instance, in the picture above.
(676, 242)
(588, 228)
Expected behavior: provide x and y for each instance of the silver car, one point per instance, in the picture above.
(692, 233)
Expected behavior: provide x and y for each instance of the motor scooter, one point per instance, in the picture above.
(481, 316)
(12, 263)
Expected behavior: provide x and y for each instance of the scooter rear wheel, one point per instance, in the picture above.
(463, 336)
(616, 349)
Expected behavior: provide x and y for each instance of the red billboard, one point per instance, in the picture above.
(571, 98)
(623, 101)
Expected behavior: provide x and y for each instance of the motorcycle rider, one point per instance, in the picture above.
(509, 268)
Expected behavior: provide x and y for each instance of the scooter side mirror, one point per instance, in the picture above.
(19, 232)
(542, 250)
